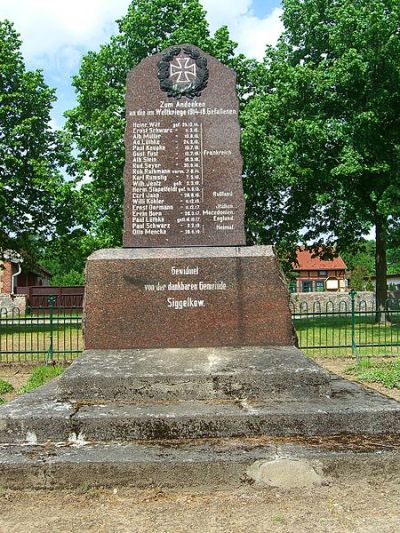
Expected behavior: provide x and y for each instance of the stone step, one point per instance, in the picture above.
(39, 417)
(199, 464)
(194, 374)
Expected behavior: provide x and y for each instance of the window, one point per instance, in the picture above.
(320, 286)
(292, 286)
(323, 273)
(306, 286)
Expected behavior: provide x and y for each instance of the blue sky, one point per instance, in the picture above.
(56, 34)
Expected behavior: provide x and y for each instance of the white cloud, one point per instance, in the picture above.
(55, 29)
(252, 33)
(57, 32)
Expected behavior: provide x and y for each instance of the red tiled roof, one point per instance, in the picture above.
(307, 262)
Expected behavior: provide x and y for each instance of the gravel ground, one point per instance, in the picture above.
(368, 507)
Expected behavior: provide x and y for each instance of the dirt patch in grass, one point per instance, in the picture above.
(339, 366)
(17, 376)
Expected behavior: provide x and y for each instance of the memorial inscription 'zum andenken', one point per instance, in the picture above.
(183, 166)
(184, 276)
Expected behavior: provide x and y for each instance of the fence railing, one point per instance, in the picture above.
(345, 328)
(43, 335)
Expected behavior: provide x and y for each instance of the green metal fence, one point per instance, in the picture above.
(41, 335)
(347, 328)
(344, 328)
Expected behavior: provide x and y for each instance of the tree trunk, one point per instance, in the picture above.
(380, 271)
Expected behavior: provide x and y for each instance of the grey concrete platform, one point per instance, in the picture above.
(39, 417)
(194, 374)
(188, 464)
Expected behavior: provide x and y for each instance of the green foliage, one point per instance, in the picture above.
(5, 386)
(34, 199)
(68, 279)
(1, 403)
(360, 280)
(394, 260)
(321, 139)
(364, 258)
(40, 376)
(97, 122)
(385, 372)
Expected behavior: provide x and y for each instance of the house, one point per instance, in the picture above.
(13, 275)
(314, 274)
(393, 281)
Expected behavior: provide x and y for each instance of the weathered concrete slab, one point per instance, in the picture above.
(36, 417)
(187, 465)
(194, 374)
(193, 419)
(351, 409)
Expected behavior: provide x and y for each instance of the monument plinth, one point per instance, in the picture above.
(186, 297)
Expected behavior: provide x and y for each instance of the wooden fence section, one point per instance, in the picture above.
(67, 298)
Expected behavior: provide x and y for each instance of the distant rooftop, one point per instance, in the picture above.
(306, 261)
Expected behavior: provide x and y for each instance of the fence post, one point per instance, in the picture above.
(353, 294)
(51, 300)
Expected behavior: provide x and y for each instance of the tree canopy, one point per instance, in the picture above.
(35, 200)
(322, 136)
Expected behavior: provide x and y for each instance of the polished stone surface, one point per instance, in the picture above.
(183, 167)
(186, 297)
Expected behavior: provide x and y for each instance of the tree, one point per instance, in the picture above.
(322, 138)
(34, 199)
(360, 278)
(97, 122)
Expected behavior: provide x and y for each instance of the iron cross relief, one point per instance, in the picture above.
(184, 71)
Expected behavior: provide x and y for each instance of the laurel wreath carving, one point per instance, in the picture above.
(173, 89)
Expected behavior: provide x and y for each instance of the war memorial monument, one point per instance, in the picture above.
(190, 374)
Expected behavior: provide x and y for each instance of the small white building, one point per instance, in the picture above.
(393, 281)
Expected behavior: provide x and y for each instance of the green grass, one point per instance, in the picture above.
(29, 342)
(2, 401)
(332, 336)
(385, 372)
(40, 376)
(5, 386)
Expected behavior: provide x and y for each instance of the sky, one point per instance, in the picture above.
(56, 33)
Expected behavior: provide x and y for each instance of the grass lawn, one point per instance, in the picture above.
(41, 375)
(385, 372)
(332, 336)
(31, 342)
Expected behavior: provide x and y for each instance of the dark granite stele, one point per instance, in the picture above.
(183, 166)
(186, 297)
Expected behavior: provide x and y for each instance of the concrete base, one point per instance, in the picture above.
(191, 417)
(39, 417)
(172, 374)
(195, 464)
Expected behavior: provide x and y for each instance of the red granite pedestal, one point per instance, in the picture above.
(186, 297)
